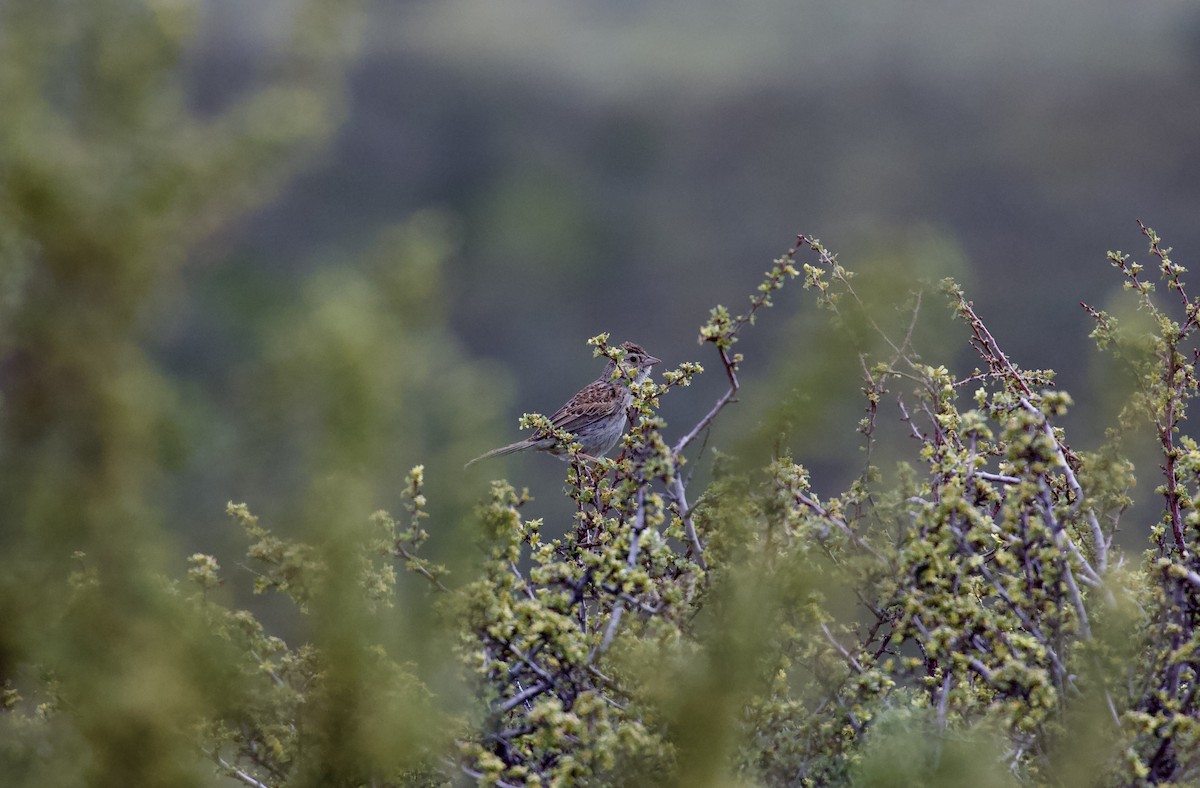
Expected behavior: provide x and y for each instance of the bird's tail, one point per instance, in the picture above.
(500, 452)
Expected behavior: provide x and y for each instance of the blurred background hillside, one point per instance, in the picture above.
(622, 167)
(499, 182)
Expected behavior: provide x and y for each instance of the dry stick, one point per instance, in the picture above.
(984, 672)
(517, 667)
(1000, 363)
(1098, 542)
(906, 418)
(992, 353)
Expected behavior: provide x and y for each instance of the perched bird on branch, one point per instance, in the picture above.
(595, 416)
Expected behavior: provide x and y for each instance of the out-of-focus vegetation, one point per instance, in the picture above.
(959, 613)
(110, 181)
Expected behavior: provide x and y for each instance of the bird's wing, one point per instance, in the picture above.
(597, 400)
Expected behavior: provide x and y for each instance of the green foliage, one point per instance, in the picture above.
(969, 619)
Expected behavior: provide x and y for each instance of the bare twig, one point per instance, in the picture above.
(842, 525)
(854, 663)
(997, 478)
(415, 564)
(723, 340)
(236, 773)
(725, 399)
(526, 694)
(537, 669)
(1077, 599)
(679, 493)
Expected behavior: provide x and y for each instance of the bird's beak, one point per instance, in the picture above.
(653, 360)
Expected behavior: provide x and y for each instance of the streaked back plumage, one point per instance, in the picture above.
(596, 415)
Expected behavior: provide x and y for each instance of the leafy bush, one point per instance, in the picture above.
(964, 616)
(973, 620)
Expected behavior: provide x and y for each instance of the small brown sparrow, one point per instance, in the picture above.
(595, 416)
